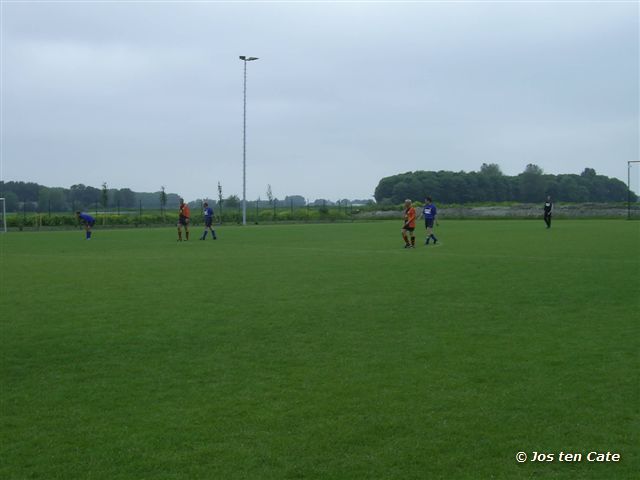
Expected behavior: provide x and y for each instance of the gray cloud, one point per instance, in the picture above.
(147, 94)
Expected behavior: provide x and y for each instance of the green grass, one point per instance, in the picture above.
(320, 352)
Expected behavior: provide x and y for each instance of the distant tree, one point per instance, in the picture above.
(52, 200)
(618, 191)
(126, 198)
(321, 201)
(568, 188)
(220, 199)
(163, 200)
(11, 201)
(76, 193)
(269, 194)
(491, 169)
(533, 169)
(104, 200)
(82, 196)
(295, 200)
(104, 196)
(532, 184)
(232, 201)
(400, 190)
(25, 191)
(385, 187)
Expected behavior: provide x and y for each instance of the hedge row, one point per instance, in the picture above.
(43, 220)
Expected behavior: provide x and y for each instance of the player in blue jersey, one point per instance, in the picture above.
(88, 221)
(208, 221)
(429, 212)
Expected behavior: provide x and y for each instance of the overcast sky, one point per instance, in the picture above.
(144, 94)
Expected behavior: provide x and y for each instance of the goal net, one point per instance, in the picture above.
(3, 216)
(633, 180)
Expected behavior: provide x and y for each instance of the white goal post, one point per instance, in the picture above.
(633, 189)
(3, 213)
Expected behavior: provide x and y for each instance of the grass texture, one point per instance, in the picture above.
(321, 352)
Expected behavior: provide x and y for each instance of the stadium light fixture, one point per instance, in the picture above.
(245, 59)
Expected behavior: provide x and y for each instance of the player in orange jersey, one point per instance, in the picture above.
(183, 220)
(409, 225)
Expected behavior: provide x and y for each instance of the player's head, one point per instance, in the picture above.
(407, 203)
(205, 204)
(78, 213)
(429, 200)
(181, 201)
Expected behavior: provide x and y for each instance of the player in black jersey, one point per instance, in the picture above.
(548, 210)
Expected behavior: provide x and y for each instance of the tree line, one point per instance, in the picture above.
(32, 197)
(487, 185)
(491, 185)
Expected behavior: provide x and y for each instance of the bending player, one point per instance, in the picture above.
(88, 221)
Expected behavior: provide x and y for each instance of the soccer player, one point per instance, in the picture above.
(429, 213)
(548, 210)
(409, 225)
(88, 221)
(208, 220)
(183, 220)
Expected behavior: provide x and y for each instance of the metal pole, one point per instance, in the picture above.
(628, 190)
(245, 59)
(244, 150)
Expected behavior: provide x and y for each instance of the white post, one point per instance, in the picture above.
(245, 59)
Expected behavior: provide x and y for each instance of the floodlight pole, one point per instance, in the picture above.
(245, 59)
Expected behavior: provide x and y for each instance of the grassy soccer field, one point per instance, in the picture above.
(321, 352)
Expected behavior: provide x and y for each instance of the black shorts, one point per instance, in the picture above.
(90, 224)
(183, 221)
(408, 229)
(208, 221)
(428, 222)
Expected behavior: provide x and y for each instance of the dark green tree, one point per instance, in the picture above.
(532, 184)
(232, 201)
(163, 200)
